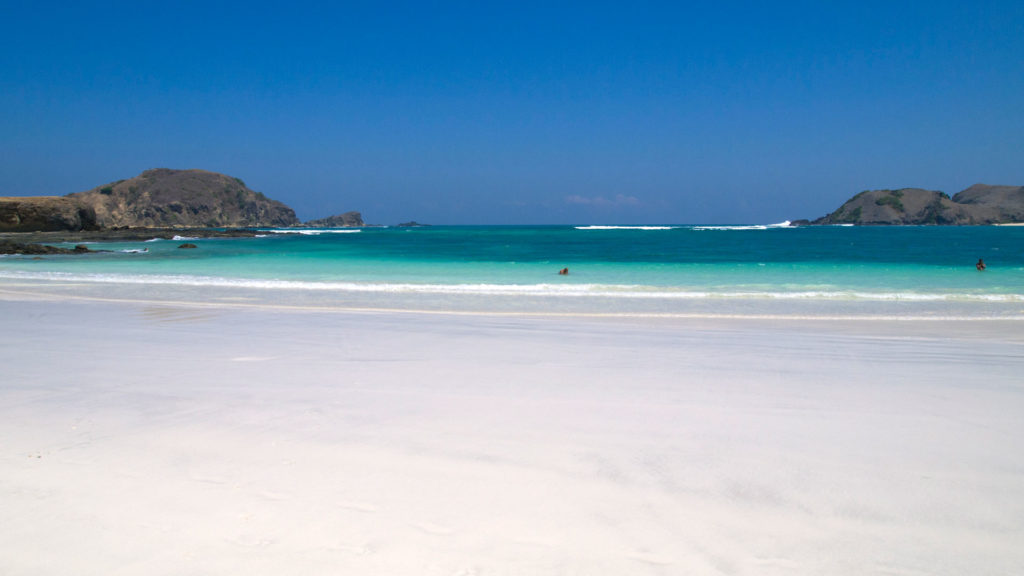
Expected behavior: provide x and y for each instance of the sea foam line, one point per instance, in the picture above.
(315, 232)
(537, 290)
(626, 227)
(785, 224)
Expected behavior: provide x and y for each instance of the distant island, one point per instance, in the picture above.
(348, 219)
(978, 205)
(159, 198)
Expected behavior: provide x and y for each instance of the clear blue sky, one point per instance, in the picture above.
(548, 112)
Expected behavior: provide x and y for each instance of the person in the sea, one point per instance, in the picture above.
(980, 265)
(564, 271)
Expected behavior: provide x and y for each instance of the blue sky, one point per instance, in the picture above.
(504, 113)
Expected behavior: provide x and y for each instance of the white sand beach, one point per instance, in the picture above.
(167, 438)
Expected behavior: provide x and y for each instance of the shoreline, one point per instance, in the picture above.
(553, 306)
(123, 234)
(40, 243)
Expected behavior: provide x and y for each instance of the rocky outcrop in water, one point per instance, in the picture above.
(30, 249)
(979, 204)
(346, 220)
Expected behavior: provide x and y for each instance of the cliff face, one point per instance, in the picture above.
(183, 198)
(979, 204)
(45, 214)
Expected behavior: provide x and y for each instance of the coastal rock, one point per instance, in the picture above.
(183, 198)
(979, 204)
(45, 213)
(346, 220)
(412, 224)
(157, 203)
(998, 203)
(188, 246)
(9, 247)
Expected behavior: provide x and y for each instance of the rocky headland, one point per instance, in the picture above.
(159, 203)
(160, 198)
(978, 205)
(164, 198)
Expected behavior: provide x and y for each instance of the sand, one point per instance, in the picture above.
(156, 438)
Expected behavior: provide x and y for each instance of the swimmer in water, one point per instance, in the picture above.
(980, 265)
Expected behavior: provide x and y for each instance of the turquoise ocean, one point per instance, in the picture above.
(901, 271)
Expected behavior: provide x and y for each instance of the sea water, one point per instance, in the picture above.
(901, 271)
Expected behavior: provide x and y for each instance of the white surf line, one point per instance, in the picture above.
(509, 313)
(542, 290)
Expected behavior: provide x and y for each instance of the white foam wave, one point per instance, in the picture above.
(784, 223)
(539, 290)
(626, 227)
(135, 251)
(176, 237)
(754, 227)
(315, 231)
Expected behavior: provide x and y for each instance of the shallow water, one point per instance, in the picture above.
(744, 270)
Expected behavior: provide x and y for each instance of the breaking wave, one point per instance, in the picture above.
(315, 231)
(626, 227)
(619, 291)
(785, 224)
